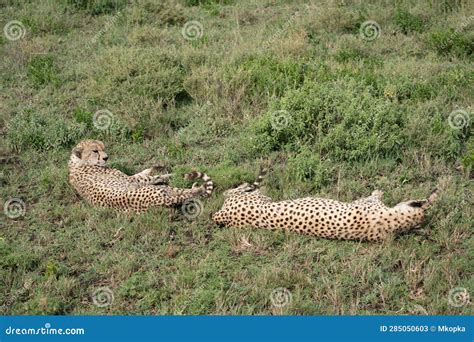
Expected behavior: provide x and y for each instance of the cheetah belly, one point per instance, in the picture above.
(319, 217)
(105, 191)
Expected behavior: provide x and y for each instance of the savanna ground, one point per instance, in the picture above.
(338, 113)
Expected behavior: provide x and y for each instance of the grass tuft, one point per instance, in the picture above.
(293, 85)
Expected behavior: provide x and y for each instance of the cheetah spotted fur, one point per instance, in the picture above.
(364, 219)
(107, 187)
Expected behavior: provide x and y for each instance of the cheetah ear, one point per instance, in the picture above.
(77, 151)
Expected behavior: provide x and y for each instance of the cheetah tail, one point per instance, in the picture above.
(208, 183)
(426, 202)
(431, 199)
(261, 176)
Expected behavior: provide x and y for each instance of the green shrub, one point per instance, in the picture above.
(148, 73)
(341, 119)
(97, 7)
(157, 13)
(41, 70)
(206, 2)
(348, 54)
(350, 21)
(449, 5)
(41, 133)
(46, 21)
(408, 22)
(85, 117)
(307, 165)
(268, 75)
(135, 286)
(450, 42)
(112, 128)
(28, 130)
(14, 259)
(407, 88)
(467, 160)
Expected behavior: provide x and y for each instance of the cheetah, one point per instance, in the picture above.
(103, 186)
(366, 219)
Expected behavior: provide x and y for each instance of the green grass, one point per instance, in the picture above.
(358, 115)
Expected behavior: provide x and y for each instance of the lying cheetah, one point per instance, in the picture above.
(365, 219)
(107, 187)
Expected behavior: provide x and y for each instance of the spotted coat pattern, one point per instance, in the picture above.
(107, 187)
(364, 219)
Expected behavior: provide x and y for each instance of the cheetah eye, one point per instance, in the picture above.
(95, 151)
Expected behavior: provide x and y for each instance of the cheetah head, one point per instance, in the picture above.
(89, 152)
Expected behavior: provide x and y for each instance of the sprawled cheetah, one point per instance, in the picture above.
(364, 219)
(107, 187)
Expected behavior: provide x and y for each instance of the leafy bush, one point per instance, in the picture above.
(11, 259)
(450, 42)
(97, 7)
(307, 165)
(269, 75)
(41, 133)
(341, 119)
(348, 54)
(41, 22)
(449, 5)
(206, 2)
(28, 130)
(41, 70)
(148, 73)
(408, 88)
(347, 21)
(408, 22)
(112, 128)
(467, 159)
(157, 13)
